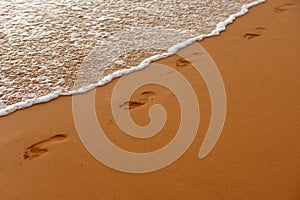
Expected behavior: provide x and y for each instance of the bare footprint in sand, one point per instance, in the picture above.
(181, 63)
(129, 105)
(145, 97)
(256, 33)
(39, 149)
(148, 95)
(283, 8)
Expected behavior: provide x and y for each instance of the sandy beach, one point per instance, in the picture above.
(256, 157)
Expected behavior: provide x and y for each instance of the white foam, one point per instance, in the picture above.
(59, 91)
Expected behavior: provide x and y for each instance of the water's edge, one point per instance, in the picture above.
(220, 27)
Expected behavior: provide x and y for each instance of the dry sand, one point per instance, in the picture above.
(257, 156)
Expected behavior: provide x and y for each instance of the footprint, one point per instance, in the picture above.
(181, 63)
(38, 149)
(283, 8)
(148, 95)
(145, 97)
(257, 33)
(128, 105)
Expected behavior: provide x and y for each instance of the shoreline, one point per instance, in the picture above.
(221, 26)
(256, 157)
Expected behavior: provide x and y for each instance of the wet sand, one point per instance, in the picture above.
(256, 157)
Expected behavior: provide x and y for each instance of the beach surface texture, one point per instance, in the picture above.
(256, 156)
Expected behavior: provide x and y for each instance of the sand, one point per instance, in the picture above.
(256, 157)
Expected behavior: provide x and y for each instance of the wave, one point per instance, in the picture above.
(133, 49)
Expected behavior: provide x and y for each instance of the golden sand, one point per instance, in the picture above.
(257, 156)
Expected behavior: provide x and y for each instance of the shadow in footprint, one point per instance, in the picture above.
(283, 8)
(256, 33)
(39, 149)
(128, 105)
(145, 97)
(148, 95)
(181, 63)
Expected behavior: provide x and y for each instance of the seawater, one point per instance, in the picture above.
(44, 43)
